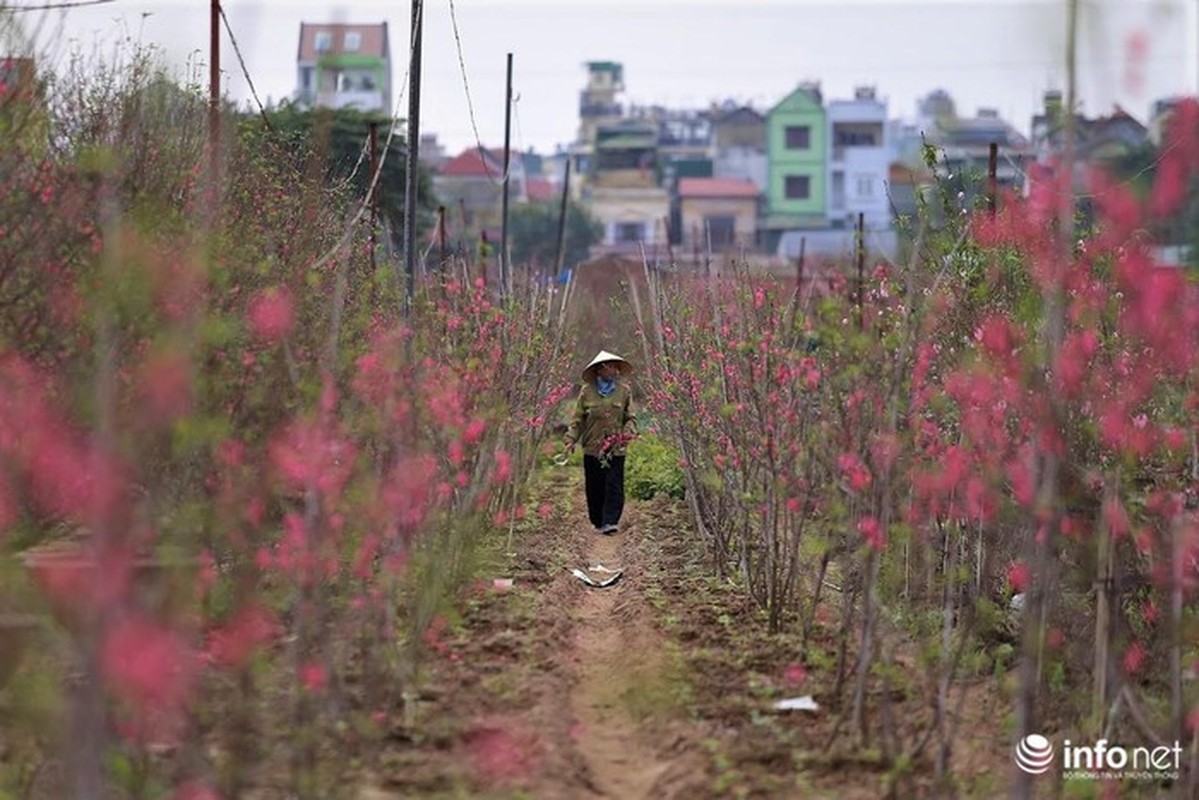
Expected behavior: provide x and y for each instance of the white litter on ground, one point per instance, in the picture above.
(614, 576)
(805, 703)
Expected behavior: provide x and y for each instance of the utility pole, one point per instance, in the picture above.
(412, 177)
(992, 179)
(442, 239)
(561, 252)
(505, 267)
(861, 270)
(214, 105)
(803, 243)
(373, 192)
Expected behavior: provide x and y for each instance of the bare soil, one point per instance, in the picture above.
(660, 686)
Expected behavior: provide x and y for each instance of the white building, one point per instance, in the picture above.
(859, 160)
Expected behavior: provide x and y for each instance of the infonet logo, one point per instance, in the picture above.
(1034, 754)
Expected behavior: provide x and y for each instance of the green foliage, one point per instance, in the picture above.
(340, 138)
(533, 234)
(653, 467)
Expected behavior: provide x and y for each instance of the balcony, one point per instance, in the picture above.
(586, 109)
(363, 100)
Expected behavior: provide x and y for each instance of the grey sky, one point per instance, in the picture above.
(996, 53)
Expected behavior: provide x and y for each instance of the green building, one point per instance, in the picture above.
(797, 163)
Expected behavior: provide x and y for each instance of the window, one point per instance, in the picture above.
(837, 201)
(629, 232)
(798, 137)
(852, 138)
(306, 77)
(353, 41)
(797, 187)
(323, 42)
(722, 230)
(865, 186)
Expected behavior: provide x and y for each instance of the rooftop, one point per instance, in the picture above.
(340, 40)
(474, 162)
(717, 187)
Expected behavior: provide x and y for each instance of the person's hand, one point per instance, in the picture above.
(569, 449)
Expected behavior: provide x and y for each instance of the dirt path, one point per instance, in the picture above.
(550, 688)
(621, 665)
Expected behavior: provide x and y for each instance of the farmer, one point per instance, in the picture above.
(603, 423)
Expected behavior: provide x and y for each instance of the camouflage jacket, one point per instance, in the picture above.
(597, 418)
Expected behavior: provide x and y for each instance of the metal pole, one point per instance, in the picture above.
(373, 191)
(992, 179)
(412, 178)
(861, 269)
(803, 243)
(505, 267)
(214, 103)
(442, 238)
(561, 253)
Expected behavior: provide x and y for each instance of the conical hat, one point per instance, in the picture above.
(602, 357)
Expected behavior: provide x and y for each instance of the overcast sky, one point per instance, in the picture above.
(687, 53)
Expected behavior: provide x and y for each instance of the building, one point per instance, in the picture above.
(431, 152)
(1098, 140)
(735, 126)
(739, 144)
(623, 187)
(341, 65)
(470, 185)
(963, 145)
(598, 102)
(859, 159)
(796, 141)
(1160, 114)
(720, 212)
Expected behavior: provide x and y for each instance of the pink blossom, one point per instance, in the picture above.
(794, 675)
(313, 677)
(231, 453)
(310, 454)
(1018, 576)
(195, 790)
(147, 664)
(503, 466)
(872, 532)
(234, 643)
(271, 314)
(474, 431)
(1134, 658)
(408, 493)
(1116, 517)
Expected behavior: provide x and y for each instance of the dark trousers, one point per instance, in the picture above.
(605, 489)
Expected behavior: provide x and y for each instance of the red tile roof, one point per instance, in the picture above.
(471, 163)
(540, 190)
(717, 187)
